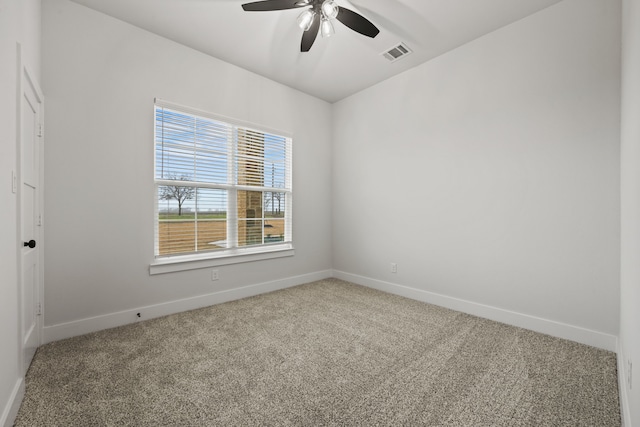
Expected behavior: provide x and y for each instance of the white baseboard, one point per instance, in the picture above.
(550, 327)
(13, 405)
(545, 326)
(625, 412)
(112, 320)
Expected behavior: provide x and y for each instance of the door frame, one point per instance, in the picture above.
(25, 79)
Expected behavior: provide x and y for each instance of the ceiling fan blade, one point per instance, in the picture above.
(267, 5)
(357, 22)
(309, 36)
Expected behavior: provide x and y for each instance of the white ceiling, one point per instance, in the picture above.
(268, 43)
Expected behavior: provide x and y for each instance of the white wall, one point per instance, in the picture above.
(630, 277)
(9, 372)
(100, 77)
(490, 175)
(19, 23)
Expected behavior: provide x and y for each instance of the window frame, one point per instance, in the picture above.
(233, 255)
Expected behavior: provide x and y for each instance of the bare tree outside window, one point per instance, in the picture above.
(177, 192)
(279, 199)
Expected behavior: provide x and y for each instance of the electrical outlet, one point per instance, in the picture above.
(394, 267)
(214, 275)
(629, 374)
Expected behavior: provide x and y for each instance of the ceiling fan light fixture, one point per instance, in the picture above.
(326, 28)
(330, 9)
(317, 18)
(305, 19)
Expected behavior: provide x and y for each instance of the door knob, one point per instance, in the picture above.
(30, 243)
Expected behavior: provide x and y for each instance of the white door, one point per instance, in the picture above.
(29, 219)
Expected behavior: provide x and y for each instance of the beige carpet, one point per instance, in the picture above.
(325, 353)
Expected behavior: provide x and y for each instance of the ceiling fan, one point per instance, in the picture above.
(317, 18)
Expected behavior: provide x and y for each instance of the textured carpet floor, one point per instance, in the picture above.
(325, 353)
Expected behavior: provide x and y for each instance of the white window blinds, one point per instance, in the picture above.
(221, 187)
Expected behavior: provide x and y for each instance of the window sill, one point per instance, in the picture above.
(192, 262)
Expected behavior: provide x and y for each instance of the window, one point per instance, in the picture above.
(221, 189)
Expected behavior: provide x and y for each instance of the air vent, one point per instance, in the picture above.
(397, 52)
